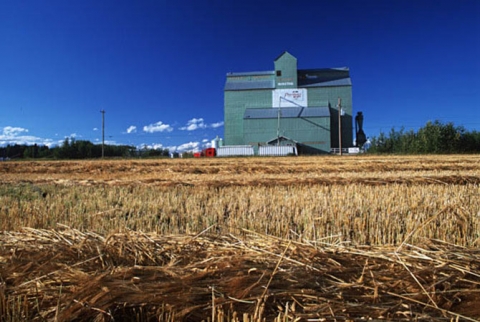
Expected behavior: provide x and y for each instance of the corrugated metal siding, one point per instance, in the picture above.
(276, 150)
(250, 118)
(286, 112)
(317, 97)
(236, 150)
(235, 104)
(270, 113)
(314, 131)
(287, 65)
(257, 73)
(240, 86)
(250, 80)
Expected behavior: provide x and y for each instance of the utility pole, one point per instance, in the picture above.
(103, 133)
(339, 107)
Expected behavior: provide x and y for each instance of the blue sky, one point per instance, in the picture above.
(158, 67)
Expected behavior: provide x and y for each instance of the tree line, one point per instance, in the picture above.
(77, 149)
(433, 138)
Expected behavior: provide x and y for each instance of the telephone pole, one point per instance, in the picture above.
(103, 133)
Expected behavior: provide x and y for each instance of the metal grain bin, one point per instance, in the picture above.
(235, 150)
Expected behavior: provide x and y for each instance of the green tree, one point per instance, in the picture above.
(434, 137)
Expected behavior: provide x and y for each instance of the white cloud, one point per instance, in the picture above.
(215, 125)
(157, 127)
(153, 146)
(194, 124)
(13, 135)
(207, 143)
(132, 129)
(111, 142)
(11, 131)
(157, 146)
(188, 147)
(50, 143)
(95, 129)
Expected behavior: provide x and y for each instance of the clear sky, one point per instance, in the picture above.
(158, 67)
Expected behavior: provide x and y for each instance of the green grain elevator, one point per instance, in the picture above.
(289, 106)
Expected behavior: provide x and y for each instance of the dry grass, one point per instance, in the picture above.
(366, 200)
(360, 214)
(68, 275)
(217, 172)
(254, 239)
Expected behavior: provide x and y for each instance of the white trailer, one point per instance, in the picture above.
(277, 150)
(235, 150)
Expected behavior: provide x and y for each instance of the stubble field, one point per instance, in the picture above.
(249, 239)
